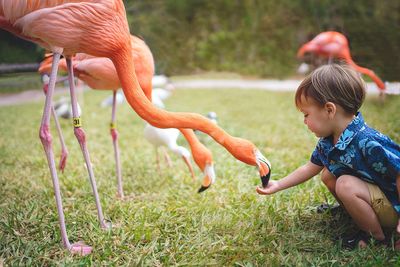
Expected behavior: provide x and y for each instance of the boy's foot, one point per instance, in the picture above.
(361, 240)
(332, 209)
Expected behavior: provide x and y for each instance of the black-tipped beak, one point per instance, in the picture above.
(203, 188)
(265, 178)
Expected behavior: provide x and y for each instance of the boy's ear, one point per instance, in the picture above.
(330, 109)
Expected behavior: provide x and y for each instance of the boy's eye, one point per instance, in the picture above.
(305, 115)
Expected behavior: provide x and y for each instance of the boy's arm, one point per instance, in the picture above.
(299, 176)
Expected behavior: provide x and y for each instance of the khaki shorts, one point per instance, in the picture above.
(387, 216)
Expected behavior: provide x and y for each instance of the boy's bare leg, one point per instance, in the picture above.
(354, 194)
(330, 182)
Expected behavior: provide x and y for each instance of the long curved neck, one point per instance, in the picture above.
(365, 71)
(123, 62)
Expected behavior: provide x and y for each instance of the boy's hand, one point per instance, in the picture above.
(272, 187)
(398, 226)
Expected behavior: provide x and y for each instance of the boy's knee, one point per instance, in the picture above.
(344, 185)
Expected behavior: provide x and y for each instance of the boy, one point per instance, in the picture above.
(360, 166)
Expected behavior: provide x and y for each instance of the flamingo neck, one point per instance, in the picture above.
(367, 72)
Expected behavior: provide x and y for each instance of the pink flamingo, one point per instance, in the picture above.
(100, 28)
(100, 74)
(335, 45)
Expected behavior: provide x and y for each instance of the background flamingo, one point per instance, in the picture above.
(335, 45)
(100, 28)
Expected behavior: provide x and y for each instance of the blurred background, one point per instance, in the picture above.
(248, 37)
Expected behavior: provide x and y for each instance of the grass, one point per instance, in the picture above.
(166, 222)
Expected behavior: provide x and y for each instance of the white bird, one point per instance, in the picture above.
(165, 137)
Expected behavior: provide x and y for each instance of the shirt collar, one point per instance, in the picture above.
(355, 126)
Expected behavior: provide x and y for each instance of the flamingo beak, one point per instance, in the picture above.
(209, 178)
(189, 164)
(264, 167)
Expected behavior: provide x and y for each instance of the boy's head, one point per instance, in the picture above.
(334, 83)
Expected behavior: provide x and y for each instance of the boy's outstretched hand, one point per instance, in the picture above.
(272, 187)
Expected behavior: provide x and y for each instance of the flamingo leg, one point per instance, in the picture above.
(114, 135)
(64, 150)
(81, 137)
(46, 139)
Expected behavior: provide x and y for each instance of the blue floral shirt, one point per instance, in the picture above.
(365, 153)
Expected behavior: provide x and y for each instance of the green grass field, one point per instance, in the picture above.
(166, 222)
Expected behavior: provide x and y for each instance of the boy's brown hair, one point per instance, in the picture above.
(334, 83)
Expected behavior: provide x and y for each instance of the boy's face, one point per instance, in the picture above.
(315, 117)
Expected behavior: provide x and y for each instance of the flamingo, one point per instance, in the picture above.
(100, 28)
(100, 73)
(333, 44)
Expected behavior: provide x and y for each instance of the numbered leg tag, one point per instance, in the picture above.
(77, 122)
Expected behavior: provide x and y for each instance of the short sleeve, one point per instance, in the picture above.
(315, 158)
(382, 160)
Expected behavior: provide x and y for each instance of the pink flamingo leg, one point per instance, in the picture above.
(80, 135)
(64, 150)
(114, 135)
(45, 137)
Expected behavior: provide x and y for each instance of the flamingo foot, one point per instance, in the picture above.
(80, 248)
(63, 160)
(106, 225)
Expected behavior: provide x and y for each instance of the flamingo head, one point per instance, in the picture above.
(209, 177)
(308, 47)
(248, 153)
(264, 167)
